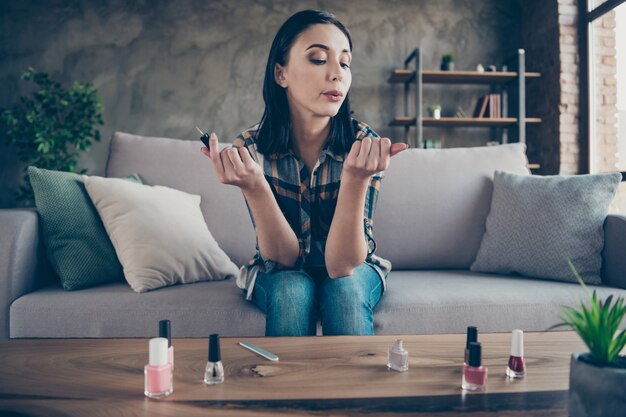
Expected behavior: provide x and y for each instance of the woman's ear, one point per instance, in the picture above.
(279, 75)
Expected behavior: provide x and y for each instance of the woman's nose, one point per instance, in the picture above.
(335, 72)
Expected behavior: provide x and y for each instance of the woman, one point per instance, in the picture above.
(310, 176)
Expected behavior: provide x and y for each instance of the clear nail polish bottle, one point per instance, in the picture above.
(158, 372)
(516, 367)
(474, 375)
(398, 357)
(214, 373)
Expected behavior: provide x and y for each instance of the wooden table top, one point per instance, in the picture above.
(343, 375)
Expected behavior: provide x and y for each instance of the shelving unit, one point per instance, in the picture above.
(504, 82)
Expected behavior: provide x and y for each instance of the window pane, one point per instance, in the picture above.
(608, 97)
(592, 4)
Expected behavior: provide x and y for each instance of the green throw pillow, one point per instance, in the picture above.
(77, 244)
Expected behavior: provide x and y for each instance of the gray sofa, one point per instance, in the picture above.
(430, 221)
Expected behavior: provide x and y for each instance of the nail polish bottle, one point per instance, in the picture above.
(474, 375)
(214, 373)
(516, 367)
(158, 372)
(472, 336)
(398, 357)
(165, 332)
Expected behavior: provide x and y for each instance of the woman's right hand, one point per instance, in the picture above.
(234, 166)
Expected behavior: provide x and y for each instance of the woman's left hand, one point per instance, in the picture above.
(369, 156)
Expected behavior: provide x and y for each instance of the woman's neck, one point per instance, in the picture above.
(309, 137)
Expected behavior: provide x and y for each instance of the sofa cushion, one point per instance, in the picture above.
(115, 310)
(415, 302)
(536, 223)
(447, 301)
(433, 204)
(77, 245)
(159, 234)
(179, 164)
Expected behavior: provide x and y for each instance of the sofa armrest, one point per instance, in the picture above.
(23, 264)
(614, 253)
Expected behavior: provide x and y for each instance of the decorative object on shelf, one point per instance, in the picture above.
(491, 68)
(597, 378)
(432, 143)
(435, 111)
(480, 68)
(447, 62)
(460, 112)
(50, 128)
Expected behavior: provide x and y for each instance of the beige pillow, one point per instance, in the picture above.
(158, 233)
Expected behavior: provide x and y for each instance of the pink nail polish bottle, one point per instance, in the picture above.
(166, 332)
(158, 372)
(516, 367)
(474, 375)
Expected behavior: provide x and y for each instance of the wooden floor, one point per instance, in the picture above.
(315, 376)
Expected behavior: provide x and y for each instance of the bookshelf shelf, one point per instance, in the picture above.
(461, 121)
(399, 76)
(506, 101)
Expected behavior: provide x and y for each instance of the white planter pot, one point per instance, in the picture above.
(595, 391)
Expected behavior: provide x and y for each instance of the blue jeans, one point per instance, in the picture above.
(293, 300)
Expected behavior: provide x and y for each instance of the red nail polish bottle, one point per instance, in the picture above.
(474, 375)
(516, 367)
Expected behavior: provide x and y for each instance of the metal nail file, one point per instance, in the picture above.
(259, 350)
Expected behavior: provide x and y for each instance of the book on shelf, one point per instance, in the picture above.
(488, 106)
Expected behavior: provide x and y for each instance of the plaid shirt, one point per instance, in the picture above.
(308, 203)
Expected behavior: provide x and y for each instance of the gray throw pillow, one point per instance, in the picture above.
(536, 223)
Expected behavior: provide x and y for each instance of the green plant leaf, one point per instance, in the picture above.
(53, 125)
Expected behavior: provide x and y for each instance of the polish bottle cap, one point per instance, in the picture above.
(517, 343)
(474, 354)
(158, 351)
(397, 346)
(165, 331)
(214, 348)
(472, 336)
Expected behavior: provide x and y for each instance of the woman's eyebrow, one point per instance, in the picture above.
(321, 46)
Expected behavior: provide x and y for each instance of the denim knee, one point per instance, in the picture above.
(288, 300)
(347, 303)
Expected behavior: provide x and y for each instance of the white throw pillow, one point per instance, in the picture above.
(158, 233)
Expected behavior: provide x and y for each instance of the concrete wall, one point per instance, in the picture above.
(163, 67)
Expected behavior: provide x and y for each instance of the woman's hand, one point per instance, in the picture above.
(234, 166)
(369, 156)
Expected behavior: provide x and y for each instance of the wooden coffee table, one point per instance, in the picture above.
(343, 375)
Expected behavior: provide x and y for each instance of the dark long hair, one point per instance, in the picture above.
(275, 127)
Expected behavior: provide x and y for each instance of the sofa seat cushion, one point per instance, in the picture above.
(447, 301)
(115, 310)
(416, 302)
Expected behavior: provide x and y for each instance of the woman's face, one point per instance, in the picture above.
(317, 74)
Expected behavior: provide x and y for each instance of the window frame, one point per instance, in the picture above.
(586, 17)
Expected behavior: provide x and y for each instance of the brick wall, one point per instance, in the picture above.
(605, 104)
(550, 37)
(569, 95)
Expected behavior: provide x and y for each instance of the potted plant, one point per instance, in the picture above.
(52, 126)
(435, 111)
(447, 62)
(597, 384)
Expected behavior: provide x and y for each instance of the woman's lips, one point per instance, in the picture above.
(334, 95)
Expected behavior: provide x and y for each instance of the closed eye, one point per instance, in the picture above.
(322, 62)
